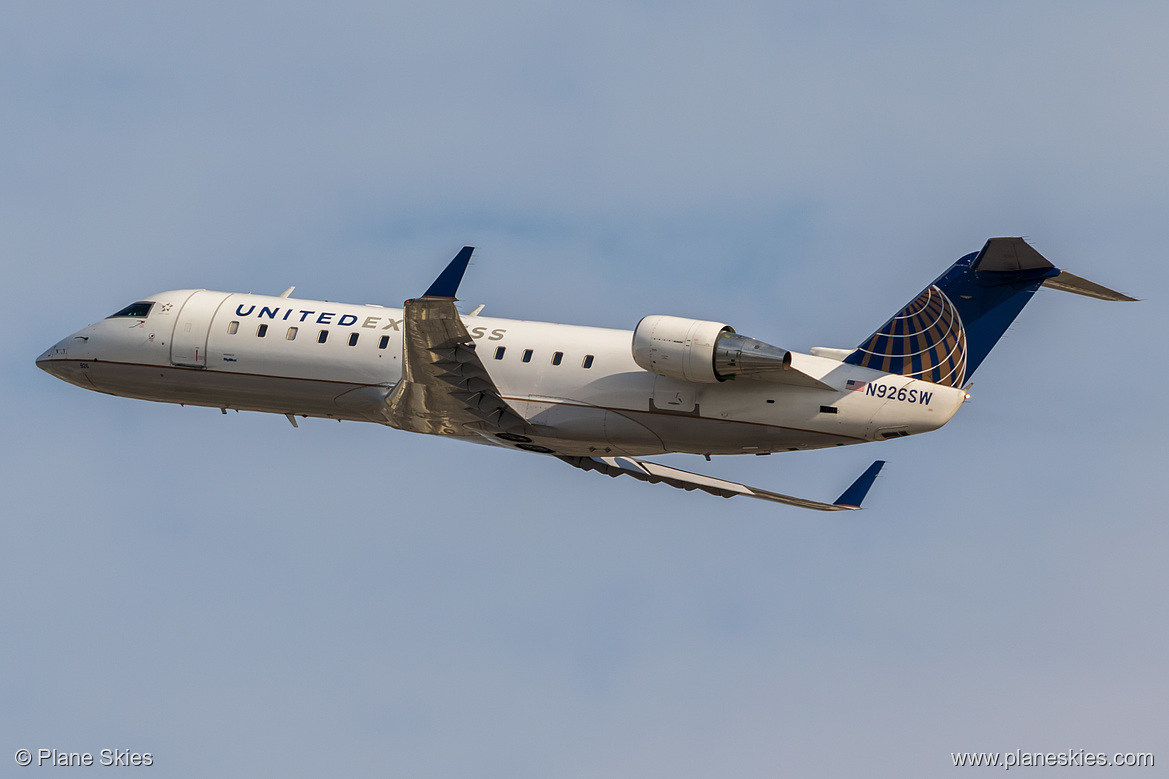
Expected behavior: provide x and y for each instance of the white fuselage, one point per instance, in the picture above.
(259, 353)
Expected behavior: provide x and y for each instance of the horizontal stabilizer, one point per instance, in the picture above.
(831, 353)
(1069, 282)
(1009, 255)
(655, 473)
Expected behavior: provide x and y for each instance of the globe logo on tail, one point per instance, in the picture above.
(925, 340)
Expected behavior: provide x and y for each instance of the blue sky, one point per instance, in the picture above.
(238, 597)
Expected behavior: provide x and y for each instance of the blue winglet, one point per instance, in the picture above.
(447, 283)
(860, 488)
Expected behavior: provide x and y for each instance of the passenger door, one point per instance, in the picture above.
(188, 344)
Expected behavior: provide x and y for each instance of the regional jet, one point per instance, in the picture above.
(597, 399)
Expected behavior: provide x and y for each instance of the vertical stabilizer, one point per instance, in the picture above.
(943, 334)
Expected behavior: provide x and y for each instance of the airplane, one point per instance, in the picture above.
(597, 399)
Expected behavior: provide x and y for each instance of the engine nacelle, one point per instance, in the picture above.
(696, 350)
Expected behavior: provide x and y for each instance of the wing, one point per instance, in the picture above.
(850, 499)
(445, 390)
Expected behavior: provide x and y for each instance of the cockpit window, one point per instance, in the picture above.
(137, 310)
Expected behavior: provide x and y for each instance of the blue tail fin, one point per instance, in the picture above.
(944, 333)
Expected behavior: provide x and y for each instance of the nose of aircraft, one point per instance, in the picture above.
(53, 359)
(62, 358)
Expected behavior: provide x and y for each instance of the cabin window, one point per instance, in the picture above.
(382, 344)
(261, 331)
(353, 339)
(232, 327)
(291, 334)
(557, 357)
(527, 356)
(499, 350)
(139, 310)
(322, 336)
(587, 362)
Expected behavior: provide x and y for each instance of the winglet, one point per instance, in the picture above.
(853, 496)
(447, 283)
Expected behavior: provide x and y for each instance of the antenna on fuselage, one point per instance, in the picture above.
(287, 292)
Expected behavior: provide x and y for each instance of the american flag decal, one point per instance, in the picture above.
(855, 386)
